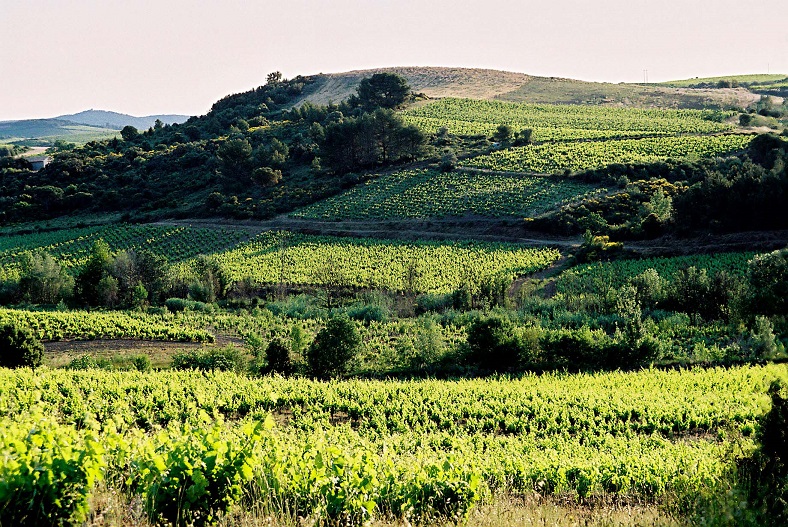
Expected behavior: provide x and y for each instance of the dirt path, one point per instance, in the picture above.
(468, 228)
(549, 272)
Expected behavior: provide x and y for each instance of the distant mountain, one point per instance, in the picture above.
(44, 132)
(106, 119)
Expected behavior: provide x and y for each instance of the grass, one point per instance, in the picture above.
(758, 78)
(519, 87)
(523, 511)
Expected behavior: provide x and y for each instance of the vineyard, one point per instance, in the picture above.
(618, 272)
(72, 246)
(436, 267)
(191, 446)
(90, 325)
(559, 157)
(556, 122)
(430, 193)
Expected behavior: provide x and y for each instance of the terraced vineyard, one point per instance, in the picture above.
(195, 445)
(72, 246)
(90, 325)
(435, 267)
(434, 194)
(559, 157)
(557, 122)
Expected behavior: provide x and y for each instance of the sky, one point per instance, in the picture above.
(145, 57)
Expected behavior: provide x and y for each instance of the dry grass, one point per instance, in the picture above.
(115, 510)
(477, 83)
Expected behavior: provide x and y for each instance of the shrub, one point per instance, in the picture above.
(334, 347)
(88, 362)
(767, 470)
(277, 355)
(141, 363)
(767, 275)
(221, 359)
(19, 348)
(493, 344)
(181, 304)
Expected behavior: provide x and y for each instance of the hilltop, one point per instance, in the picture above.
(79, 128)
(108, 119)
(477, 83)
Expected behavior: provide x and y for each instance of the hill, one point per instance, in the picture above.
(519, 87)
(44, 132)
(107, 119)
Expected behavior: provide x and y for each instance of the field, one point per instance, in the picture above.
(433, 267)
(556, 122)
(756, 78)
(560, 157)
(196, 445)
(71, 246)
(433, 343)
(619, 272)
(434, 194)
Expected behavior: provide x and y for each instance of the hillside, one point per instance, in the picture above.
(44, 132)
(106, 119)
(519, 87)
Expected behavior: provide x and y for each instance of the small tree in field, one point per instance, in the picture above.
(334, 347)
(277, 355)
(19, 348)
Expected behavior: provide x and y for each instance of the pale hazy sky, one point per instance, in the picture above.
(177, 56)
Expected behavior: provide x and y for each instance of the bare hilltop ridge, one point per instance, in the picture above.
(476, 83)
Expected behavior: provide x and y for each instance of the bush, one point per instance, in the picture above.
(19, 348)
(221, 359)
(767, 275)
(767, 470)
(334, 347)
(277, 355)
(181, 304)
(88, 362)
(493, 344)
(141, 363)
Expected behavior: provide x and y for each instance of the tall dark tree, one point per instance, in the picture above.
(383, 90)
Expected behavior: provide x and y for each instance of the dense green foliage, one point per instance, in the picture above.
(551, 122)
(272, 258)
(420, 450)
(434, 194)
(19, 348)
(558, 157)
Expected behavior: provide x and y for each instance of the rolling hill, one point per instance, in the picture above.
(79, 128)
(117, 120)
(518, 87)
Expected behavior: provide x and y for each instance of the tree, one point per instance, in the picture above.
(334, 347)
(767, 276)
(89, 277)
(19, 348)
(275, 77)
(493, 344)
(277, 355)
(382, 90)
(503, 133)
(236, 155)
(523, 137)
(43, 280)
(129, 133)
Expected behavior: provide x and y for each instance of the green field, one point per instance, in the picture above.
(559, 157)
(756, 78)
(556, 122)
(72, 246)
(434, 194)
(421, 266)
(190, 444)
